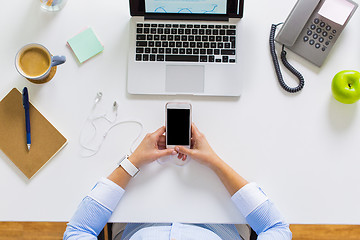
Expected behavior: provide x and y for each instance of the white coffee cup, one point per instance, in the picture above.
(34, 61)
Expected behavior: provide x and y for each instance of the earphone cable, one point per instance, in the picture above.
(91, 120)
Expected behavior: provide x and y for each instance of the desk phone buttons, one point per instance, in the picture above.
(319, 34)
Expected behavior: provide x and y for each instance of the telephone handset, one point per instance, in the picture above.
(311, 30)
(313, 26)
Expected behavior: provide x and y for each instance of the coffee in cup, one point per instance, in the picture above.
(34, 61)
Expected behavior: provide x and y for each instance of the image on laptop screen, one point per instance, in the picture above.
(186, 6)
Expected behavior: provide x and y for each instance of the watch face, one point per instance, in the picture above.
(128, 166)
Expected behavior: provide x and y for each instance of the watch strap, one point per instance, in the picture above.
(128, 166)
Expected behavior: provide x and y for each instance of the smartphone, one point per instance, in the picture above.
(178, 124)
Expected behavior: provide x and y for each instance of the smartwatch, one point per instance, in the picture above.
(128, 166)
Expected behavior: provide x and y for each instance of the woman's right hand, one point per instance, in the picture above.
(200, 151)
(203, 153)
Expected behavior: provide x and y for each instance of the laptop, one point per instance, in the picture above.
(182, 47)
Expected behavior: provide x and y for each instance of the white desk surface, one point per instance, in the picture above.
(302, 149)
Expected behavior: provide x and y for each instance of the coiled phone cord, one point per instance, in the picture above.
(285, 62)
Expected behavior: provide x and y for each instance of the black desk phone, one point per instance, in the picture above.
(313, 27)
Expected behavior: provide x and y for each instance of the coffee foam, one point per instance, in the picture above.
(34, 61)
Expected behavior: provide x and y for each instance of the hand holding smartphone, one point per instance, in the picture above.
(178, 127)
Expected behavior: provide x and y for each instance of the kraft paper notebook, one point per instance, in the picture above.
(46, 140)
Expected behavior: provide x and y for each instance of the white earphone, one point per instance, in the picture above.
(112, 123)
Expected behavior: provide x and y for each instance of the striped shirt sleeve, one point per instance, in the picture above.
(94, 211)
(261, 213)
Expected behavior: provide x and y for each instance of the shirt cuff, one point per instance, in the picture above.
(107, 193)
(248, 198)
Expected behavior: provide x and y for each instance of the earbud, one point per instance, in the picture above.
(98, 97)
(115, 106)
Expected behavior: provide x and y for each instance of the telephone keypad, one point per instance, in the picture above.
(319, 34)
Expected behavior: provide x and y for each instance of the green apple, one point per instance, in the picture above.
(346, 86)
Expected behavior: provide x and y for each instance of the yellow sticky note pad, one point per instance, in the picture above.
(85, 45)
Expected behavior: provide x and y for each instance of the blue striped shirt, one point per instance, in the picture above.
(96, 208)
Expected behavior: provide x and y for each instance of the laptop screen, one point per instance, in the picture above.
(186, 6)
(187, 9)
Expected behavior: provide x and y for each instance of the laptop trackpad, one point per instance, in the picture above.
(184, 79)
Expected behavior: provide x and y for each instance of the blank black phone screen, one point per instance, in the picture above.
(178, 125)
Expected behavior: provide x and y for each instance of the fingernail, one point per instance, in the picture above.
(177, 149)
(173, 153)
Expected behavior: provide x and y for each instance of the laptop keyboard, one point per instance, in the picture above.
(185, 43)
